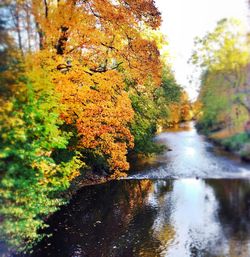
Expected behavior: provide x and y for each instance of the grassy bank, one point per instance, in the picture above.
(236, 141)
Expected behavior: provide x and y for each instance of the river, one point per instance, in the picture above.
(189, 202)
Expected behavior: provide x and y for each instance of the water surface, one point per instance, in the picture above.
(175, 218)
(190, 156)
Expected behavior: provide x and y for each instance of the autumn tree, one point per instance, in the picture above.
(92, 48)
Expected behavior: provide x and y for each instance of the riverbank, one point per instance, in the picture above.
(235, 141)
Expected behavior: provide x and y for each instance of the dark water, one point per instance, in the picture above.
(191, 201)
(175, 218)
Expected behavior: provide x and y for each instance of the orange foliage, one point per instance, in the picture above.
(91, 47)
(102, 35)
(101, 111)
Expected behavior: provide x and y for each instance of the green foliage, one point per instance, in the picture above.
(152, 107)
(144, 125)
(213, 106)
(169, 89)
(222, 56)
(224, 49)
(168, 100)
(30, 179)
(236, 142)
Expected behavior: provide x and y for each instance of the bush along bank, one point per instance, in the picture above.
(239, 144)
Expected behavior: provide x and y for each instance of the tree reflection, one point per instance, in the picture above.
(114, 219)
(234, 213)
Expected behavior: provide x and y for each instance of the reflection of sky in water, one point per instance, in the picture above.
(189, 214)
(190, 151)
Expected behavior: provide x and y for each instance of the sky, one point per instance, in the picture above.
(183, 20)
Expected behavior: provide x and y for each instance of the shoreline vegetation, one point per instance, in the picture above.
(235, 142)
(224, 99)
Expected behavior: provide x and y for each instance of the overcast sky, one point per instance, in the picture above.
(185, 19)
